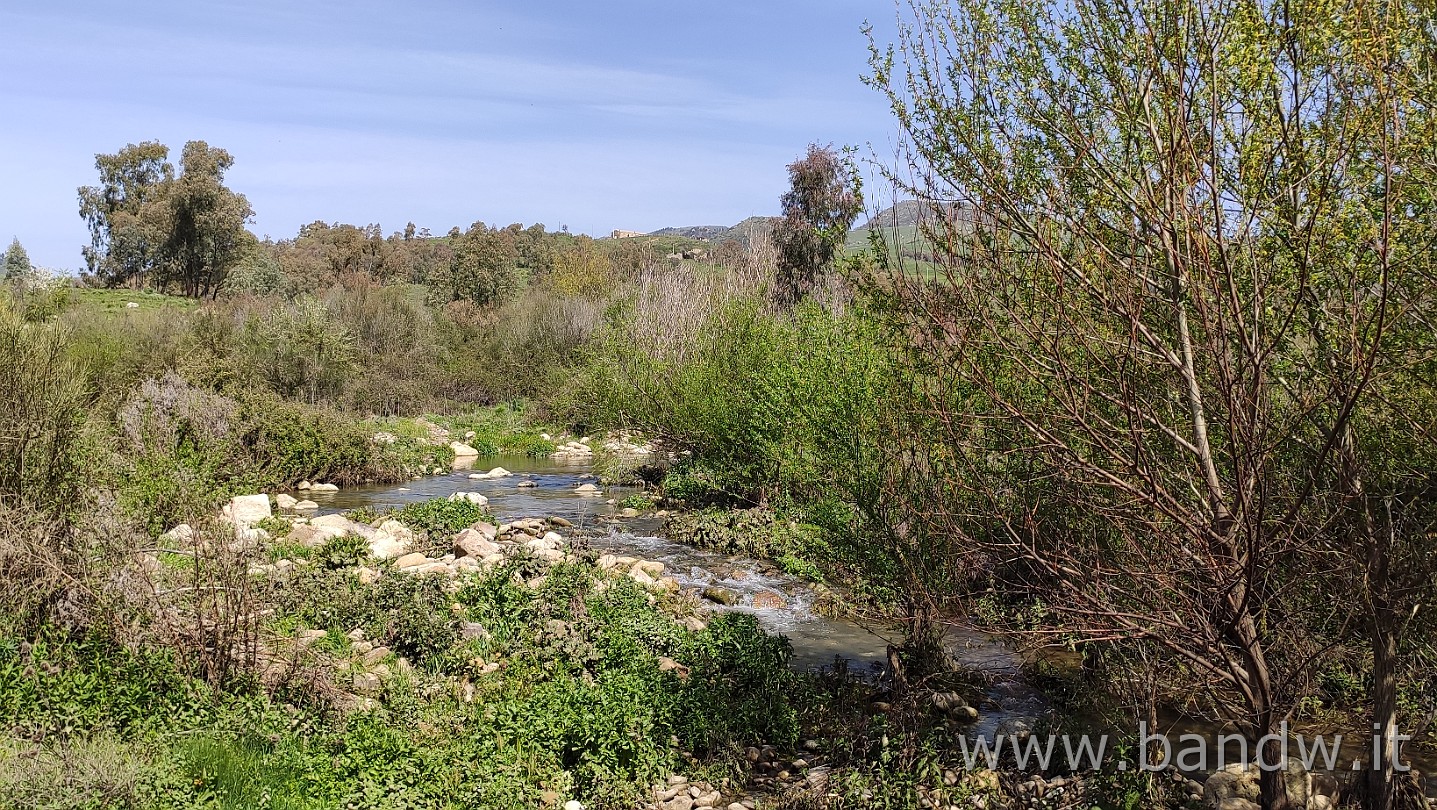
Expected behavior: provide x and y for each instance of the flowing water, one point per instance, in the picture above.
(1010, 704)
(817, 640)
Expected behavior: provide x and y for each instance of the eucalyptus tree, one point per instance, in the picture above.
(818, 209)
(1160, 352)
(149, 226)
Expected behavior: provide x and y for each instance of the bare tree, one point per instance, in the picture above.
(1147, 349)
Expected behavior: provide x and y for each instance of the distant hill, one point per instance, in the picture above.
(744, 232)
(902, 215)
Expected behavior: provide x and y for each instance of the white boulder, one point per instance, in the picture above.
(246, 510)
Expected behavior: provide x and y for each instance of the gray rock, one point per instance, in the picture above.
(723, 596)
(476, 543)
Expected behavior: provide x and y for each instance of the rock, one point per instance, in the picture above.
(1320, 802)
(694, 624)
(304, 638)
(471, 497)
(642, 577)
(629, 513)
(411, 560)
(303, 486)
(367, 683)
(499, 472)
(526, 484)
(323, 488)
(953, 704)
(284, 501)
(246, 510)
(651, 567)
(1324, 784)
(392, 539)
(723, 596)
(768, 600)
(333, 525)
(556, 540)
(433, 567)
(667, 664)
(306, 506)
(307, 536)
(573, 804)
(462, 450)
(131, 305)
(473, 631)
(554, 520)
(476, 543)
(367, 575)
(587, 489)
(1229, 784)
(1241, 782)
(182, 535)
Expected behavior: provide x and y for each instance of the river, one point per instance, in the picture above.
(1009, 705)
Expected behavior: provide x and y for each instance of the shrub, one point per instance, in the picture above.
(41, 407)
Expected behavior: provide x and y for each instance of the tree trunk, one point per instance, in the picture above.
(1384, 713)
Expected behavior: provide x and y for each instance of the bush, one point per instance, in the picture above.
(42, 409)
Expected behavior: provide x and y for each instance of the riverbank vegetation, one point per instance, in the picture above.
(1157, 392)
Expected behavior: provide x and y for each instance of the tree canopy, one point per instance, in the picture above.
(16, 263)
(818, 209)
(150, 226)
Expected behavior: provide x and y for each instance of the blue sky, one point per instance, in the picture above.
(634, 115)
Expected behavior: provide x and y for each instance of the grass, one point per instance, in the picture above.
(117, 301)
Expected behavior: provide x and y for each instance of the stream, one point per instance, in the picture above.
(817, 640)
(1010, 704)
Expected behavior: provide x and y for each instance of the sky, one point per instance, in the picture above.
(631, 115)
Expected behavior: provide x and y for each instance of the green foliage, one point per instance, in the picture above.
(151, 226)
(818, 210)
(186, 449)
(42, 406)
(16, 262)
(639, 500)
(438, 520)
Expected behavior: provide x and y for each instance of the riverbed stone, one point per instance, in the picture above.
(473, 542)
(471, 497)
(307, 536)
(284, 501)
(462, 450)
(410, 561)
(306, 506)
(652, 567)
(392, 539)
(722, 596)
(246, 510)
(587, 489)
(323, 488)
(768, 600)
